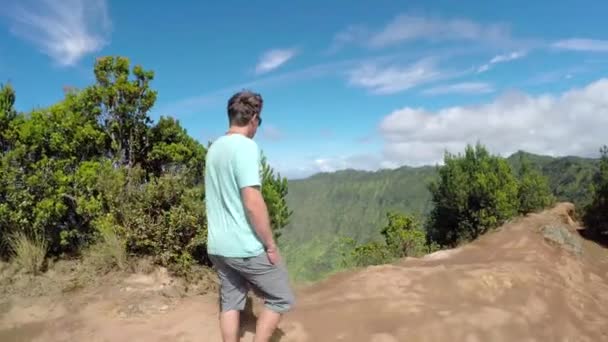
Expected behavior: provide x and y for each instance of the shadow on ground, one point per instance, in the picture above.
(601, 240)
(249, 319)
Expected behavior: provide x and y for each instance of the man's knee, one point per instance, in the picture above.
(281, 304)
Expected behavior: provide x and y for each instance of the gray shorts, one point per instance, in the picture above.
(237, 275)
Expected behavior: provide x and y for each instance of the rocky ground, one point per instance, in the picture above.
(534, 279)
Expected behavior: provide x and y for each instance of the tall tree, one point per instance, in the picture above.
(124, 105)
(475, 192)
(7, 114)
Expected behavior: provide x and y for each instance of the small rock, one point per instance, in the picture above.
(563, 237)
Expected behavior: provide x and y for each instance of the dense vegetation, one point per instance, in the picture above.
(93, 174)
(403, 236)
(327, 207)
(353, 204)
(596, 213)
(477, 191)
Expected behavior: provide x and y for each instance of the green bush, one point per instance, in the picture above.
(596, 213)
(93, 172)
(533, 192)
(403, 237)
(274, 191)
(475, 192)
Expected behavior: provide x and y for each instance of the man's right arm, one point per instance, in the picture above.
(247, 172)
(257, 213)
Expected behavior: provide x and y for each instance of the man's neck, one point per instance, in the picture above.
(237, 130)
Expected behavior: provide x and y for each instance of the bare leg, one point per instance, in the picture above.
(266, 325)
(229, 324)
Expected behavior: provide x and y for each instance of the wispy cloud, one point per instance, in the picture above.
(407, 27)
(410, 27)
(390, 79)
(582, 44)
(501, 59)
(393, 78)
(273, 59)
(461, 88)
(199, 103)
(65, 30)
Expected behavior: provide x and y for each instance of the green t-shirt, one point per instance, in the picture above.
(232, 163)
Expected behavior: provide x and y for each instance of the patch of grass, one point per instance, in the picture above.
(28, 253)
(108, 253)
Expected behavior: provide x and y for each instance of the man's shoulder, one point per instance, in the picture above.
(245, 144)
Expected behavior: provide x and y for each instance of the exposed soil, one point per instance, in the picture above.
(534, 279)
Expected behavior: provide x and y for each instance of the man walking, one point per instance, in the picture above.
(240, 243)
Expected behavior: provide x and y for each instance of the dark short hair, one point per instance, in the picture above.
(243, 106)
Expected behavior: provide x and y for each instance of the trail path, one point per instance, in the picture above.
(515, 284)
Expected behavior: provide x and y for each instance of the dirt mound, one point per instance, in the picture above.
(525, 281)
(534, 279)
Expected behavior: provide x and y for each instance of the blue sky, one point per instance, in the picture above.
(347, 84)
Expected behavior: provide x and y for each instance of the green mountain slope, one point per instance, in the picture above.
(352, 203)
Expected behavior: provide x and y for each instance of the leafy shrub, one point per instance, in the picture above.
(274, 191)
(93, 172)
(533, 191)
(596, 213)
(475, 192)
(403, 237)
(361, 255)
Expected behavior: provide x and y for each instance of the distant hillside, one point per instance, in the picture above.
(352, 203)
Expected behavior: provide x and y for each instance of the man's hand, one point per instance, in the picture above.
(273, 255)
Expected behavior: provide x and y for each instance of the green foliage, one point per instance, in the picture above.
(274, 191)
(346, 203)
(475, 192)
(173, 150)
(123, 106)
(362, 255)
(93, 173)
(533, 193)
(351, 203)
(7, 115)
(403, 237)
(570, 178)
(596, 213)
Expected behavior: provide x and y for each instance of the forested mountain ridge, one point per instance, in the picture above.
(352, 203)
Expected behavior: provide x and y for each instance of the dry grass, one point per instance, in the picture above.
(29, 253)
(108, 253)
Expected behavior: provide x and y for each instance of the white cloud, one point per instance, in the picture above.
(389, 79)
(352, 34)
(501, 59)
(302, 169)
(273, 59)
(582, 44)
(461, 88)
(65, 30)
(572, 123)
(408, 27)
